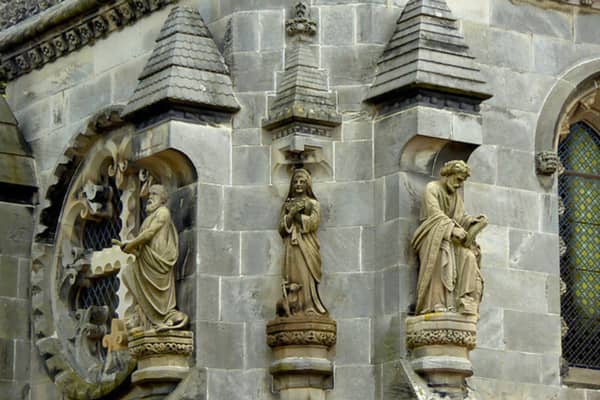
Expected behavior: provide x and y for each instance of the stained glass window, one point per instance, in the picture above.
(579, 223)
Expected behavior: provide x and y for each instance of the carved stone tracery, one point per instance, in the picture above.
(96, 176)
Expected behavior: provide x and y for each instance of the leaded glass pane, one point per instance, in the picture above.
(579, 191)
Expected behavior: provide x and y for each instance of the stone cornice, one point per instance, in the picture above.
(64, 28)
(591, 5)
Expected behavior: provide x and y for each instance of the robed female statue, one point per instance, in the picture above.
(298, 223)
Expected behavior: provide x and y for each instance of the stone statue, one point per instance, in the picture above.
(298, 224)
(449, 274)
(151, 279)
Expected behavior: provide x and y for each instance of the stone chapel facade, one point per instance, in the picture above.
(260, 125)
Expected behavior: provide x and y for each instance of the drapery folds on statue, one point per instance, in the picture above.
(151, 280)
(298, 223)
(449, 272)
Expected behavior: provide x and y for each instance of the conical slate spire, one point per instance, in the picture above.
(17, 171)
(427, 51)
(303, 94)
(185, 68)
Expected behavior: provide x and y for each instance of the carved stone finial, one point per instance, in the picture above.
(301, 24)
(546, 162)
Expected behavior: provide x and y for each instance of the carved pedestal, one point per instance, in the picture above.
(161, 356)
(439, 344)
(302, 369)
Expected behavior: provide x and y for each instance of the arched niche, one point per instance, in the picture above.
(97, 195)
(562, 102)
(427, 155)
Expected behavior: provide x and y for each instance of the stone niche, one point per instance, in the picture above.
(100, 198)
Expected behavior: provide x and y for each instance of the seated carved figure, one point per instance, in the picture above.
(151, 281)
(449, 273)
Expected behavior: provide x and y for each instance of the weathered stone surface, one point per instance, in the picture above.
(253, 207)
(534, 251)
(250, 298)
(484, 164)
(262, 253)
(352, 337)
(534, 333)
(246, 137)
(555, 56)
(349, 65)
(271, 30)
(375, 24)
(514, 290)
(210, 206)
(252, 111)
(239, 384)
(258, 353)
(219, 252)
(502, 206)
(508, 127)
(508, 49)
(251, 165)
(7, 359)
(507, 365)
(87, 99)
(208, 298)
(245, 31)
(520, 166)
(339, 294)
(392, 197)
(17, 230)
(549, 213)
(353, 161)
(494, 244)
(529, 19)
(345, 204)
(14, 318)
(9, 270)
(34, 120)
(207, 148)
(478, 11)
(340, 249)
(219, 344)
(490, 328)
(356, 130)
(586, 28)
(337, 26)
(388, 333)
(253, 71)
(354, 383)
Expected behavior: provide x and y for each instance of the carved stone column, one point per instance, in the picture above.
(439, 344)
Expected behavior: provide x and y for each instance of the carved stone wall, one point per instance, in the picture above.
(370, 201)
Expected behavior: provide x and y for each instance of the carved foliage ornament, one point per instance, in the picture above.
(72, 35)
(301, 24)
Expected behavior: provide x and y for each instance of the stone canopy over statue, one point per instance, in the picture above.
(151, 280)
(449, 272)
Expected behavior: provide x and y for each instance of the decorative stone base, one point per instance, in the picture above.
(439, 344)
(161, 356)
(302, 368)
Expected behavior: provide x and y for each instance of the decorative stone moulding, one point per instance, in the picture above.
(301, 347)
(109, 261)
(64, 28)
(161, 356)
(439, 346)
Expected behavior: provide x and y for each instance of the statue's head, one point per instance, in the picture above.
(454, 173)
(157, 197)
(301, 184)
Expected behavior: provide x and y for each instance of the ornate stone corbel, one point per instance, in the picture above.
(546, 162)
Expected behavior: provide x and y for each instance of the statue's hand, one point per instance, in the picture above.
(459, 233)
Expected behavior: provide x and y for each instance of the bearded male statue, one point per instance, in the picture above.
(151, 280)
(449, 273)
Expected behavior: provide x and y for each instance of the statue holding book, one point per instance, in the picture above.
(449, 279)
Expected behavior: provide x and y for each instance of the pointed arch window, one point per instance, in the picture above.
(579, 228)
